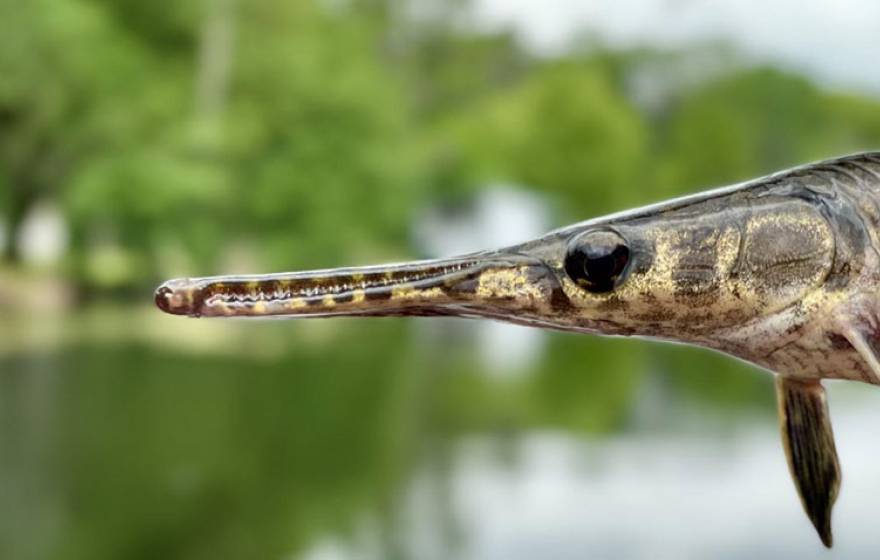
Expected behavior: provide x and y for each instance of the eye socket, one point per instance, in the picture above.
(596, 260)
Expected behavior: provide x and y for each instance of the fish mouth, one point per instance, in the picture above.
(500, 285)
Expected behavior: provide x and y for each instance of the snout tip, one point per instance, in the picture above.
(173, 297)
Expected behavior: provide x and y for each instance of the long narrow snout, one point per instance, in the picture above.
(494, 284)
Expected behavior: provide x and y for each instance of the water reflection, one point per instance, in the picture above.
(643, 496)
(373, 439)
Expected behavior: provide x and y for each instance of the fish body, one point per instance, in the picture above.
(782, 272)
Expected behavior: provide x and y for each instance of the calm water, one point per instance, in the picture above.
(125, 434)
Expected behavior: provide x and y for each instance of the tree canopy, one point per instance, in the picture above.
(170, 135)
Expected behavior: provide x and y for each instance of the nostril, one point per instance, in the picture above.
(163, 298)
(170, 300)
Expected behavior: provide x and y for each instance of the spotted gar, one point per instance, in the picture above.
(782, 272)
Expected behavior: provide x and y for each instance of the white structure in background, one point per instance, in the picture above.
(43, 236)
(501, 215)
(833, 40)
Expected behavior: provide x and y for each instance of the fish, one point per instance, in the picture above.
(782, 272)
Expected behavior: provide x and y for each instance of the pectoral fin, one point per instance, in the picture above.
(809, 447)
(864, 346)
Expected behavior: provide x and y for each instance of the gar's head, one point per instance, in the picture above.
(683, 270)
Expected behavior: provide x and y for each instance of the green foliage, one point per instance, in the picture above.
(192, 128)
(587, 386)
(170, 27)
(77, 91)
(309, 142)
(447, 72)
(741, 126)
(564, 131)
(317, 130)
(713, 380)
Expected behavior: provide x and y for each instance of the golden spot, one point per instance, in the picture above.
(296, 303)
(357, 277)
(410, 293)
(658, 281)
(260, 308)
(328, 301)
(358, 296)
(507, 283)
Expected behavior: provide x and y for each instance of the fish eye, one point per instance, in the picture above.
(596, 260)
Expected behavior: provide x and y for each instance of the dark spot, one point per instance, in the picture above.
(345, 297)
(458, 286)
(381, 294)
(838, 341)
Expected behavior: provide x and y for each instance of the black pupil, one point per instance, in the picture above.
(596, 260)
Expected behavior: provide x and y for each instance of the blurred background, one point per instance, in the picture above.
(146, 140)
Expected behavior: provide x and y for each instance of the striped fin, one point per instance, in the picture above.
(809, 447)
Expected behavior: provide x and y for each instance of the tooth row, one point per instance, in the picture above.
(255, 294)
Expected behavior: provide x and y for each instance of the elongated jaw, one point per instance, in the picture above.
(489, 285)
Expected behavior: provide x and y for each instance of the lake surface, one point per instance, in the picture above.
(126, 434)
